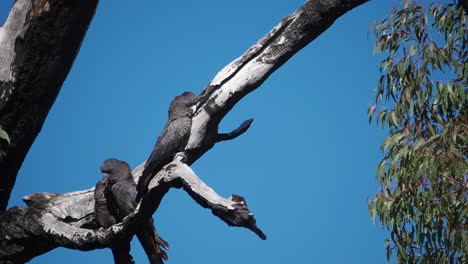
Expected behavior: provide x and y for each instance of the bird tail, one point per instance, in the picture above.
(152, 243)
(121, 253)
(151, 169)
(143, 182)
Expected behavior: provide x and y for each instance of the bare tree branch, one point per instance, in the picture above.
(38, 44)
(66, 220)
(235, 133)
(249, 71)
(232, 210)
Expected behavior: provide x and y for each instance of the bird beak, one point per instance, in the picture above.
(105, 175)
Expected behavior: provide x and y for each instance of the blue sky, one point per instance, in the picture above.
(306, 166)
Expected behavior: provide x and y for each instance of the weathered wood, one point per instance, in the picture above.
(67, 219)
(232, 210)
(38, 44)
(250, 70)
(235, 133)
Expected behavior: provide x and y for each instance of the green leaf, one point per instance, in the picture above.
(422, 91)
(371, 111)
(394, 118)
(4, 135)
(388, 253)
(372, 211)
(381, 168)
(405, 4)
(412, 50)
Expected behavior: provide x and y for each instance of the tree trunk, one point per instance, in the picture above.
(67, 219)
(38, 44)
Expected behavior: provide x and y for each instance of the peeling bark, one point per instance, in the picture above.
(66, 220)
(232, 210)
(38, 44)
(250, 70)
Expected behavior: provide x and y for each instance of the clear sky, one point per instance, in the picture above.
(306, 166)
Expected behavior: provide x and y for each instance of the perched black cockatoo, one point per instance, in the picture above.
(120, 192)
(173, 139)
(103, 213)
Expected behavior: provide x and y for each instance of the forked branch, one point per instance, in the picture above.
(66, 220)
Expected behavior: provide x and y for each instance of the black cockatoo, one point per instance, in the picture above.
(173, 139)
(114, 199)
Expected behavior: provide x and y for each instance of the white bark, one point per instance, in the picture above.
(67, 220)
(9, 32)
(36, 54)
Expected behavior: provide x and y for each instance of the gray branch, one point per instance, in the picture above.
(38, 44)
(235, 133)
(232, 210)
(250, 70)
(66, 220)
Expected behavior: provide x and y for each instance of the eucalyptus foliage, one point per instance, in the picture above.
(4, 138)
(422, 99)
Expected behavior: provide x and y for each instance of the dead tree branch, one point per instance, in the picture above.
(232, 210)
(66, 220)
(38, 44)
(235, 133)
(250, 70)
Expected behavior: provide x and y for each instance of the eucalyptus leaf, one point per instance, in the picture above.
(4, 135)
(422, 99)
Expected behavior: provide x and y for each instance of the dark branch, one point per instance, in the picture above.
(250, 70)
(66, 220)
(39, 43)
(464, 5)
(239, 216)
(239, 131)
